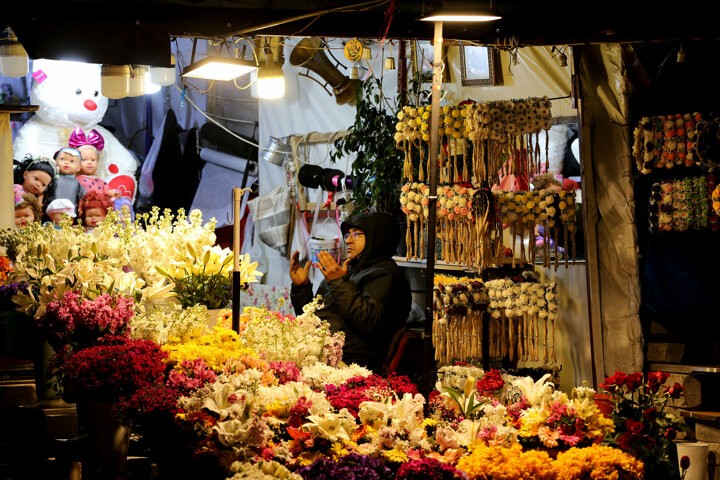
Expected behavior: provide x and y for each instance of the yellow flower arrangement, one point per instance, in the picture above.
(597, 461)
(214, 348)
(506, 463)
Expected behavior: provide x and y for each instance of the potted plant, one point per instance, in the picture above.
(377, 167)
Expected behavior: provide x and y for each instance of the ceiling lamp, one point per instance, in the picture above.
(13, 57)
(450, 11)
(270, 81)
(115, 81)
(164, 76)
(219, 68)
(136, 84)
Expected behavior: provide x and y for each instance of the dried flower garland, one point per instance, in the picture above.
(666, 141)
(498, 132)
(681, 204)
(522, 319)
(459, 305)
(471, 222)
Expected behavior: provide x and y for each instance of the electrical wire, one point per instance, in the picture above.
(212, 120)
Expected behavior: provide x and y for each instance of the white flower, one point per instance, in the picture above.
(332, 426)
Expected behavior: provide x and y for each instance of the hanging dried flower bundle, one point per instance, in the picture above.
(521, 318)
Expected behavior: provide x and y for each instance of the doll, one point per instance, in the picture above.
(90, 146)
(93, 209)
(58, 208)
(27, 207)
(36, 175)
(66, 185)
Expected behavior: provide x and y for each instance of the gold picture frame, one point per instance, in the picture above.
(477, 65)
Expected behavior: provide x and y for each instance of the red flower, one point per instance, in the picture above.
(675, 391)
(492, 381)
(633, 426)
(656, 379)
(617, 380)
(634, 380)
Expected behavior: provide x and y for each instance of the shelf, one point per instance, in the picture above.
(439, 265)
(683, 368)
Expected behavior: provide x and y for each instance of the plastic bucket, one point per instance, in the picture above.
(322, 244)
(275, 151)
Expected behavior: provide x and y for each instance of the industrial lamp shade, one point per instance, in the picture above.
(218, 68)
(270, 82)
(136, 84)
(13, 59)
(164, 76)
(115, 81)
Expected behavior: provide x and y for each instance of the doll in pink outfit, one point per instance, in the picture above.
(90, 145)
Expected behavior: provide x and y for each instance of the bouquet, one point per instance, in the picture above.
(205, 277)
(643, 425)
(113, 369)
(74, 321)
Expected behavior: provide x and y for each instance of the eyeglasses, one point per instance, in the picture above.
(353, 235)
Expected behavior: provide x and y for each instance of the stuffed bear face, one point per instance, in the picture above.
(68, 93)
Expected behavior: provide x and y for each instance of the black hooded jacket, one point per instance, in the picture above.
(372, 301)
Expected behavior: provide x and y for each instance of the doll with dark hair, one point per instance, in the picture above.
(36, 175)
(93, 208)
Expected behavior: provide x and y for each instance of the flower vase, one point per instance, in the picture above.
(169, 447)
(43, 381)
(697, 453)
(108, 440)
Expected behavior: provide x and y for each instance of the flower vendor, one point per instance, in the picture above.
(367, 296)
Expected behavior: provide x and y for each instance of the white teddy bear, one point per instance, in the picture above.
(68, 96)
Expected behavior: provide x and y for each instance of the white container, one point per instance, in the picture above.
(697, 452)
(323, 244)
(275, 151)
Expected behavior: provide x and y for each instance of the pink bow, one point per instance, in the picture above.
(79, 138)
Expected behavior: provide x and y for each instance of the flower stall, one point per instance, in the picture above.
(273, 398)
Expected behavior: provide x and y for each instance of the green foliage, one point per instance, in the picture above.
(377, 167)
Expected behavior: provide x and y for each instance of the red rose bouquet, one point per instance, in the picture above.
(643, 425)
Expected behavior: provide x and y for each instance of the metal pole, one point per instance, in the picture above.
(427, 383)
(237, 201)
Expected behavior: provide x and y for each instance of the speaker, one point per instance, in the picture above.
(308, 53)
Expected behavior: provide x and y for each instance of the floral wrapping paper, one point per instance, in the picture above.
(271, 297)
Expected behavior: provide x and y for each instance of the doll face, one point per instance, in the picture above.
(36, 181)
(89, 160)
(93, 216)
(68, 164)
(24, 216)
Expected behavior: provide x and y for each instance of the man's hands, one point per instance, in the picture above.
(298, 274)
(329, 267)
(326, 264)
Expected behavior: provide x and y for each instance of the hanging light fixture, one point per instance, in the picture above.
(164, 76)
(390, 60)
(271, 81)
(136, 84)
(270, 77)
(13, 57)
(115, 81)
(219, 68)
(461, 11)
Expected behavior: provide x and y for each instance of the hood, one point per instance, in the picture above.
(382, 235)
